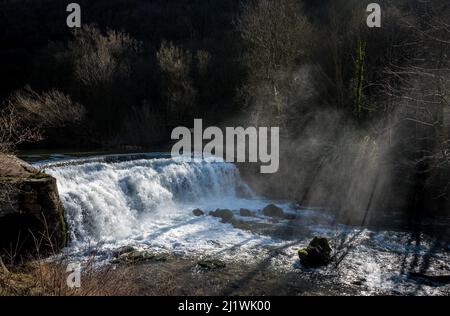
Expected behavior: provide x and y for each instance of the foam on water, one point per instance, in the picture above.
(114, 201)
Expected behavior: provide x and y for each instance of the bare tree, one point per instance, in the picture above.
(275, 34)
(419, 87)
(178, 90)
(52, 109)
(14, 129)
(99, 58)
(104, 65)
(25, 115)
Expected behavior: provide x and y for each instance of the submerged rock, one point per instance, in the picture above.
(211, 264)
(137, 256)
(272, 210)
(225, 214)
(122, 250)
(318, 253)
(198, 212)
(241, 224)
(245, 212)
(290, 216)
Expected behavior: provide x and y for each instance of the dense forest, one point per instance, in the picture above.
(363, 112)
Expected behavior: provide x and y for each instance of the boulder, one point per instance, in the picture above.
(225, 214)
(29, 206)
(198, 212)
(318, 253)
(245, 212)
(272, 210)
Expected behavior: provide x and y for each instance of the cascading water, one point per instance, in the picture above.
(105, 200)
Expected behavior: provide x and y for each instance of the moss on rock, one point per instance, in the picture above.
(198, 212)
(318, 253)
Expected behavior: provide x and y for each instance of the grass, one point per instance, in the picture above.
(43, 278)
(37, 275)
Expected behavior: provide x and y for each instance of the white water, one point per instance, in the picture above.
(148, 203)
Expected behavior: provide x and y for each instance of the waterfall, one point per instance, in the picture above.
(107, 198)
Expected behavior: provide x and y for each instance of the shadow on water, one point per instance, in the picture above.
(418, 269)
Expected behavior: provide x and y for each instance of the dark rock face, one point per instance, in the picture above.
(30, 208)
(272, 210)
(224, 214)
(198, 212)
(318, 253)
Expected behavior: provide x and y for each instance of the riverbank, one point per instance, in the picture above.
(165, 226)
(196, 276)
(171, 275)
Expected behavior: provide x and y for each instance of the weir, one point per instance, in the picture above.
(110, 197)
(146, 201)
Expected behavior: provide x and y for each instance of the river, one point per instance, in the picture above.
(146, 201)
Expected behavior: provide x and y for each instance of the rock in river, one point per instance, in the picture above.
(198, 212)
(272, 210)
(137, 256)
(245, 212)
(224, 214)
(318, 253)
(122, 250)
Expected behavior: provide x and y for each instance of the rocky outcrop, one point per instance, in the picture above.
(30, 207)
(272, 210)
(318, 253)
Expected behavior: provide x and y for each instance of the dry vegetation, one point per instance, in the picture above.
(41, 275)
(14, 129)
(43, 278)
